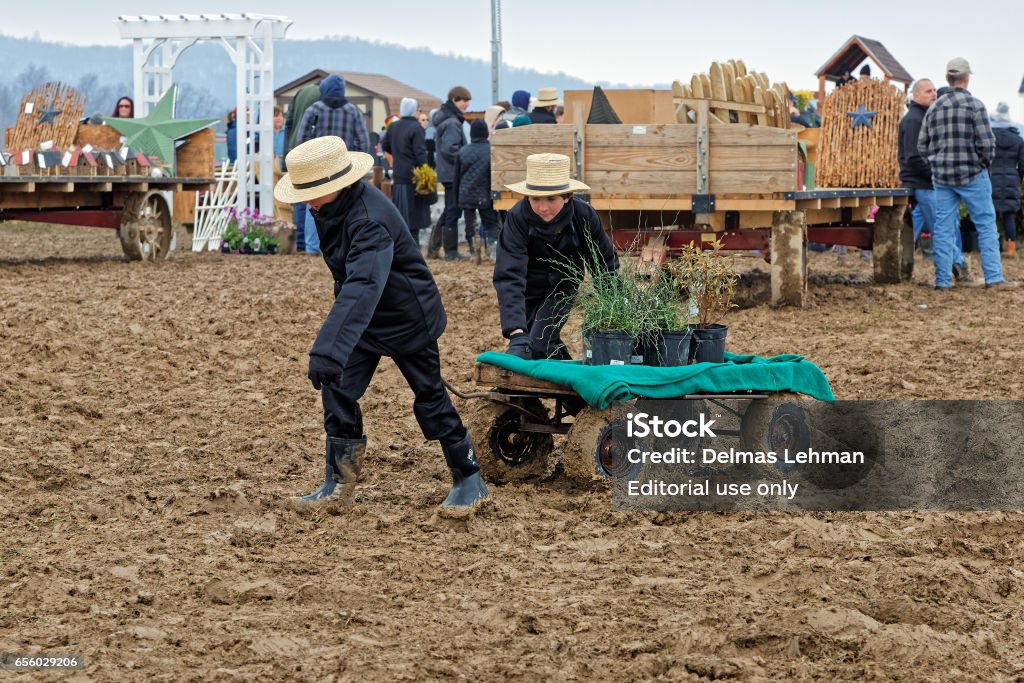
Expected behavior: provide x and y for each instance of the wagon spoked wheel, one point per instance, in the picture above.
(505, 451)
(592, 453)
(145, 229)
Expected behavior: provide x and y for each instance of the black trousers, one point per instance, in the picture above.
(446, 230)
(545, 319)
(433, 409)
(489, 218)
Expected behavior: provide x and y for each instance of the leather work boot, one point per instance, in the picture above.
(1011, 248)
(344, 463)
(468, 485)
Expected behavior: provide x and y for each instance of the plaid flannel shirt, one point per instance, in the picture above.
(956, 138)
(345, 121)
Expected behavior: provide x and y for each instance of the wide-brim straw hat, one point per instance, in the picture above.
(547, 175)
(319, 167)
(547, 97)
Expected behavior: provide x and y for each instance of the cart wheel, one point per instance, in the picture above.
(591, 452)
(145, 230)
(775, 424)
(505, 452)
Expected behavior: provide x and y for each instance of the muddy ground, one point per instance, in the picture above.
(154, 418)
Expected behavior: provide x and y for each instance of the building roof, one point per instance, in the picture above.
(385, 87)
(856, 50)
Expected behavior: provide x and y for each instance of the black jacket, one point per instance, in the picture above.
(385, 299)
(1007, 169)
(542, 115)
(448, 140)
(915, 172)
(406, 142)
(523, 270)
(473, 175)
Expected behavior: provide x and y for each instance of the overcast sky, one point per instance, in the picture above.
(640, 43)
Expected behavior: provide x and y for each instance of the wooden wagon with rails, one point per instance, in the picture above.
(659, 186)
(89, 190)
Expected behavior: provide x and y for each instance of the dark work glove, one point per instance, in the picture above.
(519, 346)
(323, 371)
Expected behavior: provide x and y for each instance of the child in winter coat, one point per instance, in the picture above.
(473, 180)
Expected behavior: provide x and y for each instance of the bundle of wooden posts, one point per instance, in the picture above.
(860, 155)
(49, 113)
(734, 95)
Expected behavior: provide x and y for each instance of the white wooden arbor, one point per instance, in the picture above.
(158, 41)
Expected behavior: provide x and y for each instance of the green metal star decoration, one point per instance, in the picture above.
(155, 134)
(47, 115)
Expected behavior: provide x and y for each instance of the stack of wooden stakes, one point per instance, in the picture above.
(736, 96)
(862, 156)
(33, 127)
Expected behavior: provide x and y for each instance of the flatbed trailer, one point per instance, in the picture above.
(135, 206)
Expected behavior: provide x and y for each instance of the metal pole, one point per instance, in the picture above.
(495, 50)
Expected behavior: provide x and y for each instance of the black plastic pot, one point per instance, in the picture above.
(670, 349)
(708, 344)
(608, 347)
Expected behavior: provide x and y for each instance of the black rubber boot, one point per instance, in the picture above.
(344, 463)
(468, 485)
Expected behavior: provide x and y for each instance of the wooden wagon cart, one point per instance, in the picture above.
(515, 417)
(134, 206)
(661, 186)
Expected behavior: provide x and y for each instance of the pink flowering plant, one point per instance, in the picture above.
(250, 232)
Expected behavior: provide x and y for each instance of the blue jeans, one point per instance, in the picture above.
(300, 226)
(977, 196)
(924, 216)
(312, 236)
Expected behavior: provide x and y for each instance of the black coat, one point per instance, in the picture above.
(406, 142)
(542, 115)
(473, 175)
(524, 274)
(1007, 169)
(448, 140)
(385, 299)
(915, 172)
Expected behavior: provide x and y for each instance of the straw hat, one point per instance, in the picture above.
(319, 167)
(547, 97)
(547, 175)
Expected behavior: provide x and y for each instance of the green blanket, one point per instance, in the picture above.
(600, 385)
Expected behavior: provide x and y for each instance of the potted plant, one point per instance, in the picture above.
(665, 339)
(709, 281)
(607, 304)
(250, 232)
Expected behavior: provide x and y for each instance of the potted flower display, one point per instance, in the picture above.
(250, 232)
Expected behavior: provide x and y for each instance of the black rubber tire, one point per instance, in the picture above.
(505, 453)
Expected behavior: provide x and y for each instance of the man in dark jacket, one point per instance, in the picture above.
(916, 174)
(386, 303)
(1007, 172)
(547, 234)
(448, 140)
(957, 140)
(473, 178)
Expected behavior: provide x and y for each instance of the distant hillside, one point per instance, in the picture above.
(206, 76)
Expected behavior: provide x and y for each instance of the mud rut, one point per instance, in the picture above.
(153, 417)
